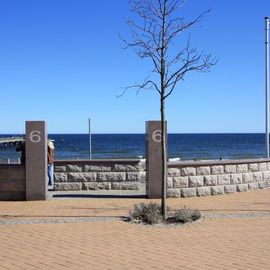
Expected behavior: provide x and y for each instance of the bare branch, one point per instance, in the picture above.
(199, 63)
(141, 86)
(180, 27)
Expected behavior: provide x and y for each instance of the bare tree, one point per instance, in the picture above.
(154, 35)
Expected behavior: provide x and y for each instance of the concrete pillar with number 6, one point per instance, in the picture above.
(36, 160)
(153, 159)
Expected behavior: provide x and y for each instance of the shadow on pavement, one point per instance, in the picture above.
(98, 196)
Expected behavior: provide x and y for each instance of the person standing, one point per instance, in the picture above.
(21, 148)
(50, 163)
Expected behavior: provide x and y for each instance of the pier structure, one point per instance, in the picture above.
(11, 141)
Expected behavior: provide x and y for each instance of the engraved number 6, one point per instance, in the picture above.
(156, 136)
(35, 136)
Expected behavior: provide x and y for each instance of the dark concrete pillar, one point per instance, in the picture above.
(36, 160)
(153, 160)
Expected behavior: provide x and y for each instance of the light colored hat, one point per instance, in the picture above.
(50, 144)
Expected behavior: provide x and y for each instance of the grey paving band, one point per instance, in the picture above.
(60, 220)
(238, 215)
(57, 220)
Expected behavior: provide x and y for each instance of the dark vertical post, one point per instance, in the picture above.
(36, 160)
(153, 160)
(90, 139)
(267, 87)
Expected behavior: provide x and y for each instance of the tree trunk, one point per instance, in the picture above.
(163, 123)
(164, 160)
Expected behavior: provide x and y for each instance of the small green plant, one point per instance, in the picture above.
(146, 213)
(151, 214)
(185, 215)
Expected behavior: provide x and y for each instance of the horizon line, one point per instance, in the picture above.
(136, 133)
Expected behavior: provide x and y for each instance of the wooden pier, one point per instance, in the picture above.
(10, 141)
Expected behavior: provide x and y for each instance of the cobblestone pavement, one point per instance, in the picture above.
(89, 234)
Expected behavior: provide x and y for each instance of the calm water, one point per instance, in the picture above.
(185, 146)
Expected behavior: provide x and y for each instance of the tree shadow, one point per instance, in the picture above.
(109, 196)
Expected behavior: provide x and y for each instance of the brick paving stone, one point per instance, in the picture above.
(219, 243)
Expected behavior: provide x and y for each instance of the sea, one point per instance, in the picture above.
(182, 146)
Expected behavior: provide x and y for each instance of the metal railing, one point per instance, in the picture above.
(10, 161)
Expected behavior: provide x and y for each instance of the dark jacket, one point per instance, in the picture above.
(21, 148)
(50, 155)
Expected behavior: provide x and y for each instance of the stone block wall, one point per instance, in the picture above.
(185, 179)
(76, 175)
(12, 182)
(204, 178)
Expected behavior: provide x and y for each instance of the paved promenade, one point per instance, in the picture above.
(89, 234)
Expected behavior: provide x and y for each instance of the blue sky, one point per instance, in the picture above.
(62, 61)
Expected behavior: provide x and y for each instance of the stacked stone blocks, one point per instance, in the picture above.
(99, 175)
(200, 179)
(184, 179)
